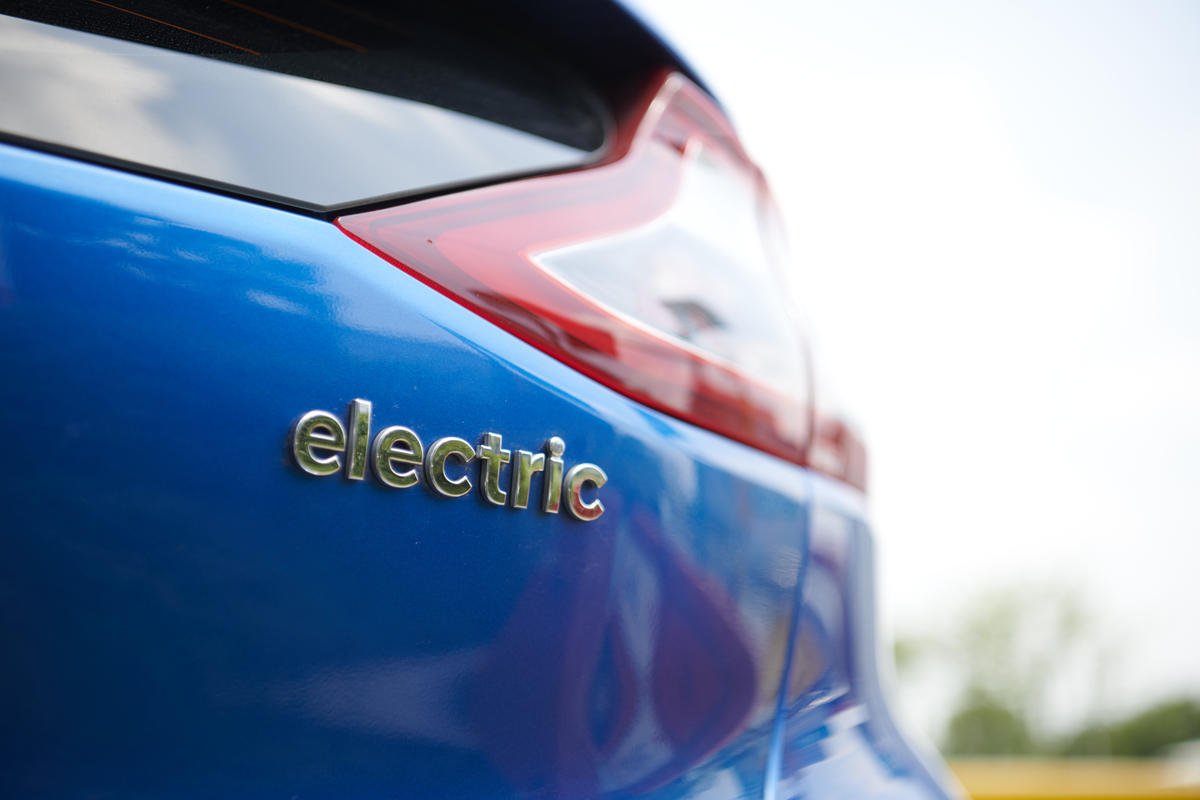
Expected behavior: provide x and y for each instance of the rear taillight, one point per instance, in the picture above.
(656, 272)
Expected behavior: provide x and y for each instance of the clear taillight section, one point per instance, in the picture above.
(656, 272)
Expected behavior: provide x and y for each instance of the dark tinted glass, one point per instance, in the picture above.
(323, 128)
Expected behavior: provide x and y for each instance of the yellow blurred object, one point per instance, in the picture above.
(1051, 779)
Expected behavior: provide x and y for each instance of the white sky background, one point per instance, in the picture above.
(995, 212)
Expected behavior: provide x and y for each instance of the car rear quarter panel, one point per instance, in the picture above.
(187, 609)
(185, 613)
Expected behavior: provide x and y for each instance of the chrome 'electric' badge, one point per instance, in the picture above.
(319, 441)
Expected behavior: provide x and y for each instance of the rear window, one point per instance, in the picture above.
(317, 106)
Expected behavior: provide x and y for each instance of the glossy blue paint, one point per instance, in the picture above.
(839, 738)
(186, 614)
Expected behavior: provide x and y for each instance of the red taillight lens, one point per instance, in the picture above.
(655, 272)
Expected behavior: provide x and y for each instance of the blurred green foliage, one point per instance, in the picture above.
(985, 726)
(1148, 733)
(1008, 650)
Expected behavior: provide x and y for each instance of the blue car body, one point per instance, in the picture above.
(186, 614)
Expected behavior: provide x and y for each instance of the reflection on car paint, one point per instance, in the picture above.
(199, 625)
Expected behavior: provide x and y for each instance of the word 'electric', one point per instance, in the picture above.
(320, 444)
